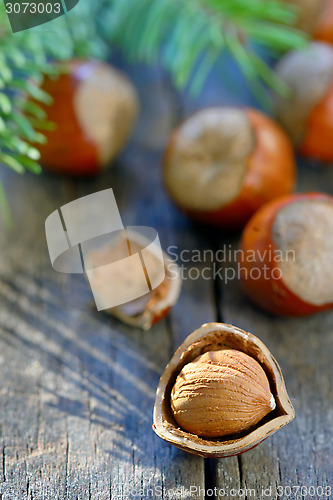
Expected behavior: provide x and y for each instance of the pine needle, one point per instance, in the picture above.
(187, 37)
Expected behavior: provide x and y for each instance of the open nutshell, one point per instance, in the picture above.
(218, 337)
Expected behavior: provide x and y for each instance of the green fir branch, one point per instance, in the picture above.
(25, 58)
(187, 37)
(180, 33)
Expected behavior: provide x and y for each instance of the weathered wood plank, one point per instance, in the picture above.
(303, 349)
(78, 387)
(300, 455)
(192, 309)
(80, 404)
(77, 419)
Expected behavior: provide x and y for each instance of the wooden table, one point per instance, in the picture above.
(77, 388)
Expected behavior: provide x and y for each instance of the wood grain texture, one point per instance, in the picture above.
(77, 387)
(300, 455)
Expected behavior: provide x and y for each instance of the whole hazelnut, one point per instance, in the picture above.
(222, 164)
(286, 256)
(94, 108)
(306, 114)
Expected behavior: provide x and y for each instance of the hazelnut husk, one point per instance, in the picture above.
(237, 437)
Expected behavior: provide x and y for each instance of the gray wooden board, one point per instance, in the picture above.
(77, 387)
(298, 459)
(192, 309)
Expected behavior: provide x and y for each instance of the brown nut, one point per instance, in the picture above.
(324, 25)
(94, 110)
(240, 362)
(308, 13)
(221, 393)
(223, 163)
(306, 113)
(286, 255)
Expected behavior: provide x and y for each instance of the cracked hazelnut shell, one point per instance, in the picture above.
(148, 309)
(217, 337)
(222, 164)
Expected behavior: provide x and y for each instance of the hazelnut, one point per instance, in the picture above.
(94, 109)
(308, 13)
(306, 114)
(324, 26)
(286, 260)
(222, 164)
(221, 394)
